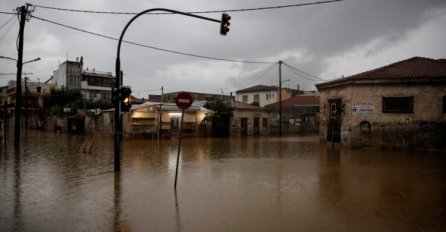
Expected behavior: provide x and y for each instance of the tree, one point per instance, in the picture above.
(220, 117)
(54, 103)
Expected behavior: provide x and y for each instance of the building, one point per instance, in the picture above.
(263, 94)
(249, 120)
(152, 119)
(97, 85)
(32, 101)
(300, 113)
(69, 74)
(94, 85)
(170, 97)
(399, 105)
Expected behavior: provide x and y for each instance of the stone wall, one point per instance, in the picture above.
(365, 124)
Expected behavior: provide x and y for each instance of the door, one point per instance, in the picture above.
(335, 121)
(174, 126)
(244, 126)
(256, 126)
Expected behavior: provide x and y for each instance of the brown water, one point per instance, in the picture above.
(237, 184)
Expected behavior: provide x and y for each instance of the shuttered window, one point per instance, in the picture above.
(397, 104)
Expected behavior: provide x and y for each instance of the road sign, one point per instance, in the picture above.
(184, 100)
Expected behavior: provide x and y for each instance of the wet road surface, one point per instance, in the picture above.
(59, 182)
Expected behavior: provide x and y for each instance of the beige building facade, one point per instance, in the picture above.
(398, 105)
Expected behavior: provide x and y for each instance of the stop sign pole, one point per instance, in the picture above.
(184, 101)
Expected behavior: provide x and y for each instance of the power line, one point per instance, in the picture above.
(255, 77)
(294, 70)
(192, 12)
(9, 28)
(152, 47)
(302, 76)
(4, 24)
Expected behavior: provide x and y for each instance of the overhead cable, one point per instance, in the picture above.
(311, 77)
(155, 48)
(9, 28)
(193, 12)
(9, 20)
(254, 78)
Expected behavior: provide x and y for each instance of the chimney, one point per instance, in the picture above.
(82, 60)
(77, 59)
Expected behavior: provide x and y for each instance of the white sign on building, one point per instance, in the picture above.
(363, 108)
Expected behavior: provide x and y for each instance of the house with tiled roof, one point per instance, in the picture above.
(263, 94)
(299, 113)
(399, 105)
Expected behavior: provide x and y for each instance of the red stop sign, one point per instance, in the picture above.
(183, 100)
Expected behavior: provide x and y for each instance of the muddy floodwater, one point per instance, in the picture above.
(59, 182)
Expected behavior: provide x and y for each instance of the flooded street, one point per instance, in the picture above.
(59, 182)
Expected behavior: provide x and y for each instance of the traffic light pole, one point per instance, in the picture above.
(118, 79)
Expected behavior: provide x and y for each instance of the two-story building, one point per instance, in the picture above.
(93, 84)
(262, 95)
(97, 85)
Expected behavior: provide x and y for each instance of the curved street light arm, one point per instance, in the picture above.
(118, 78)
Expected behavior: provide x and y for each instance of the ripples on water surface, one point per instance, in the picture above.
(237, 184)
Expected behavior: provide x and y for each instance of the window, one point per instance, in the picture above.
(397, 104)
(444, 104)
(245, 99)
(256, 98)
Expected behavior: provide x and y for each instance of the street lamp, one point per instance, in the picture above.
(118, 78)
(18, 93)
(29, 61)
(36, 59)
(7, 58)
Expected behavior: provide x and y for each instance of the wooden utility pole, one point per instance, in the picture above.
(23, 10)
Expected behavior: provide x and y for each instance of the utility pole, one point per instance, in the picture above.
(23, 10)
(280, 97)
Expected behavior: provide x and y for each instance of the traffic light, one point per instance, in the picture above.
(224, 26)
(125, 99)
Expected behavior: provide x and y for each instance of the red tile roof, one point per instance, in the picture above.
(297, 101)
(258, 88)
(241, 105)
(413, 68)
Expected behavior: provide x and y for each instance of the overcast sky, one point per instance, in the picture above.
(326, 40)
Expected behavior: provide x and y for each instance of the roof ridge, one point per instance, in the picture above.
(414, 67)
(392, 65)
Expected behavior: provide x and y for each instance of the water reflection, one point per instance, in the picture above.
(177, 213)
(237, 184)
(17, 192)
(118, 224)
(386, 190)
